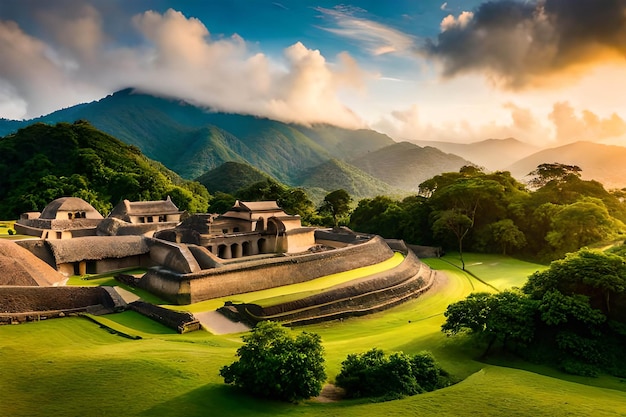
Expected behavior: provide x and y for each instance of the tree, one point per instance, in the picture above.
(337, 204)
(372, 374)
(455, 222)
(579, 224)
(557, 172)
(593, 274)
(274, 364)
(506, 317)
(507, 235)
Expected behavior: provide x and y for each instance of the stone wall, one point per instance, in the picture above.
(19, 304)
(181, 321)
(261, 274)
(173, 256)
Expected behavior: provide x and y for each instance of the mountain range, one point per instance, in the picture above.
(193, 141)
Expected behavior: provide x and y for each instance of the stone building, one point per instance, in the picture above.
(140, 218)
(141, 212)
(248, 228)
(63, 218)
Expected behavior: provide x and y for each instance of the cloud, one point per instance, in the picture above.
(571, 127)
(175, 56)
(444, 6)
(521, 44)
(561, 125)
(522, 123)
(374, 37)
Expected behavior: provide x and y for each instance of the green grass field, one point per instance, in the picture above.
(72, 367)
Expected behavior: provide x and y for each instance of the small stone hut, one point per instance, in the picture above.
(63, 218)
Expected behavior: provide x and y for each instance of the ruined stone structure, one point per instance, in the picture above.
(140, 218)
(248, 228)
(253, 246)
(63, 218)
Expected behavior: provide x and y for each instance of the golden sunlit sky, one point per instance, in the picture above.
(545, 72)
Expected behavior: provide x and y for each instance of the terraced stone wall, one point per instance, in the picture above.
(261, 274)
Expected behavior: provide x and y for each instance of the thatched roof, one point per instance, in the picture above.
(94, 248)
(72, 204)
(128, 208)
(21, 267)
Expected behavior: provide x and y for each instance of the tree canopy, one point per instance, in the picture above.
(43, 162)
(572, 314)
(374, 374)
(337, 204)
(274, 364)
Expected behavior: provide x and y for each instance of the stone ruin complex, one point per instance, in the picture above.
(192, 258)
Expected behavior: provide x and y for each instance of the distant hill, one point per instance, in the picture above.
(191, 140)
(603, 163)
(405, 165)
(493, 154)
(230, 177)
(335, 174)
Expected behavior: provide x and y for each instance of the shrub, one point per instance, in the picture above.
(372, 374)
(274, 364)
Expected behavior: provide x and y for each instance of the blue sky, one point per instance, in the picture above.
(547, 72)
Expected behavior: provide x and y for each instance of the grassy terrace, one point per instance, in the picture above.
(72, 367)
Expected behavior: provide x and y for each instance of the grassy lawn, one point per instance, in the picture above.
(72, 367)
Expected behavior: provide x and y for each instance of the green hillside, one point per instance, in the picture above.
(336, 174)
(406, 165)
(43, 162)
(73, 367)
(191, 140)
(230, 177)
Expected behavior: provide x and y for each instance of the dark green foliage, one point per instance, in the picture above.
(294, 201)
(571, 314)
(380, 215)
(231, 177)
(221, 203)
(372, 374)
(555, 172)
(507, 318)
(597, 275)
(47, 162)
(406, 219)
(337, 204)
(274, 364)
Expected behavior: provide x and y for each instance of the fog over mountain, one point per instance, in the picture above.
(192, 140)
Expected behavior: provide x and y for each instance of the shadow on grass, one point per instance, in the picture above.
(224, 401)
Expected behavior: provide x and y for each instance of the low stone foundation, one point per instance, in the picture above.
(21, 304)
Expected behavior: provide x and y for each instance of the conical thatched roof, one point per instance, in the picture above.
(18, 266)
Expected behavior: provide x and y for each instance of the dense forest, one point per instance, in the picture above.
(470, 210)
(41, 163)
(492, 212)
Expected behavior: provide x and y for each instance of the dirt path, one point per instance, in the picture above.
(216, 323)
(330, 393)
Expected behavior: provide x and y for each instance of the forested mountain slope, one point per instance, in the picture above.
(405, 165)
(43, 162)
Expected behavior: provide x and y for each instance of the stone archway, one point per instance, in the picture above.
(235, 250)
(223, 251)
(245, 249)
(261, 245)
